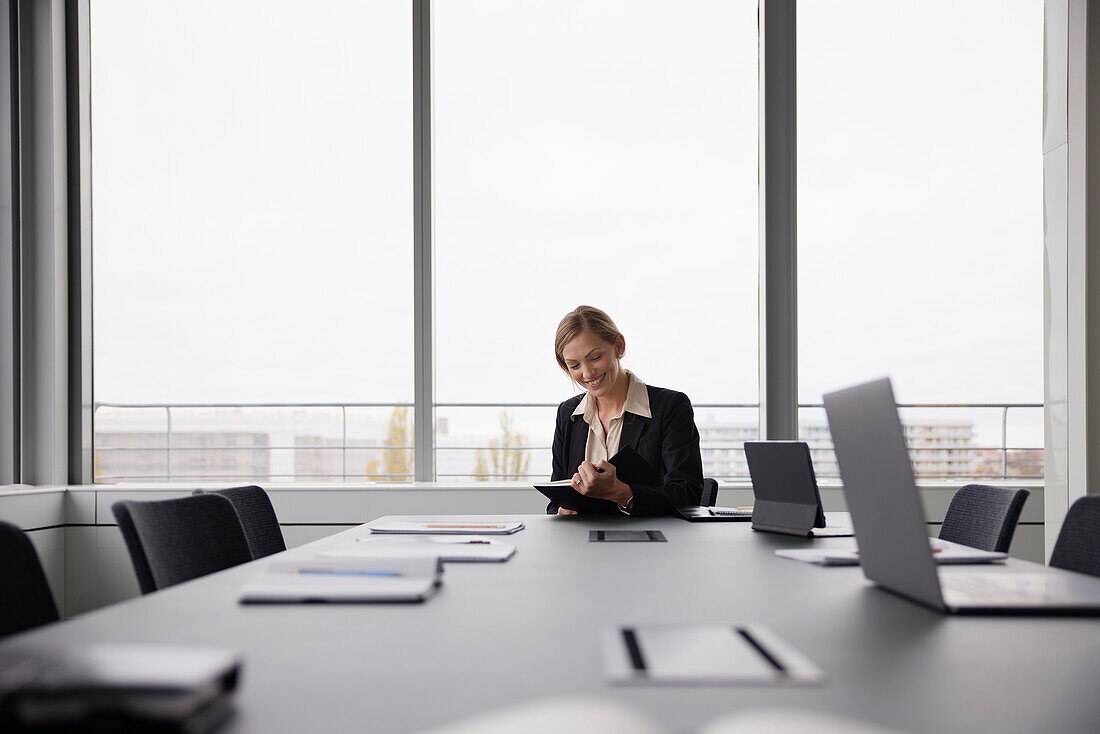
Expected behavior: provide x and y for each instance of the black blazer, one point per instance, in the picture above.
(669, 441)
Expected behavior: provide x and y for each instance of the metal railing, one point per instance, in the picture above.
(173, 434)
(1004, 449)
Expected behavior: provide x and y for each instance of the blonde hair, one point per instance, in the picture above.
(583, 318)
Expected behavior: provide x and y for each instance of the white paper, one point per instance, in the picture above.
(312, 579)
(273, 588)
(943, 552)
(820, 557)
(705, 654)
(464, 526)
(450, 548)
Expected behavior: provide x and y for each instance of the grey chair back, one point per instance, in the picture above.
(25, 598)
(121, 511)
(181, 539)
(710, 492)
(261, 526)
(983, 517)
(1078, 544)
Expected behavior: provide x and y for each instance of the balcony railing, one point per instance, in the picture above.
(1013, 461)
(329, 441)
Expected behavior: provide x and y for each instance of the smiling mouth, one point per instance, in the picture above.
(596, 383)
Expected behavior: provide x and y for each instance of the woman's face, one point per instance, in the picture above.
(594, 363)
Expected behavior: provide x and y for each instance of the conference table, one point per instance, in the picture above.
(500, 634)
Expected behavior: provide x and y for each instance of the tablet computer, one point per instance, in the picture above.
(785, 488)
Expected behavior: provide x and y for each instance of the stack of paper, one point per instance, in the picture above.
(943, 552)
(346, 580)
(463, 548)
(448, 527)
(821, 557)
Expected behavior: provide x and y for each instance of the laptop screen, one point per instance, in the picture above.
(881, 492)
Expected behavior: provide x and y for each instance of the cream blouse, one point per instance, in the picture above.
(600, 447)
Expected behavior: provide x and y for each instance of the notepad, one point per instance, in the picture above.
(703, 654)
(449, 548)
(943, 552)
(447, 527)
(348, 580)
(630, 468)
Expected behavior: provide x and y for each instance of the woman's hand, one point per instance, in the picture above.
(566, 511)
(600, 481)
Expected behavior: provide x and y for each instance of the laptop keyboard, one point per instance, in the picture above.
(731, 511)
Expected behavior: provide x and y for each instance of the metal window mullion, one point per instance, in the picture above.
(45, 244)
(79, 127)
(778, 294)
(10, 264)
(168, 443)
(423, 392)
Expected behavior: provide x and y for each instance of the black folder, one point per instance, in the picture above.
(116, 687)
(630, 467)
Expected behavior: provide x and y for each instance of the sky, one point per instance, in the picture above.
(252, 197)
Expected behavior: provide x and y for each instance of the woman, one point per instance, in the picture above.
(618, 410)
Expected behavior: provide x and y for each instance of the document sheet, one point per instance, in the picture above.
(846, 554)
(451, 548)
(463, 526)
(703, 654)
(306, 579)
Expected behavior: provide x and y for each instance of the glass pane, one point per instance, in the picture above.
(920, 220)
(252, 224)
(601, 153)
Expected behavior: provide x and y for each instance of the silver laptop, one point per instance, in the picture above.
(890, 531)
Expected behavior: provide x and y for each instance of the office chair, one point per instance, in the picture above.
(710, 492)
(983, 517)
(27, 601)
(1078, 544)
(133, 545)
(172, 541)
(261, 526)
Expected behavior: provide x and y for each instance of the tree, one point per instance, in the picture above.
(502, 459)
(370, 469)
(481, 467)
(397, 461)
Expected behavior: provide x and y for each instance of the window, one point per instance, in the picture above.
(252, 239)
(253, 223)
(921, 223)
(599, 153)
(252, 230)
